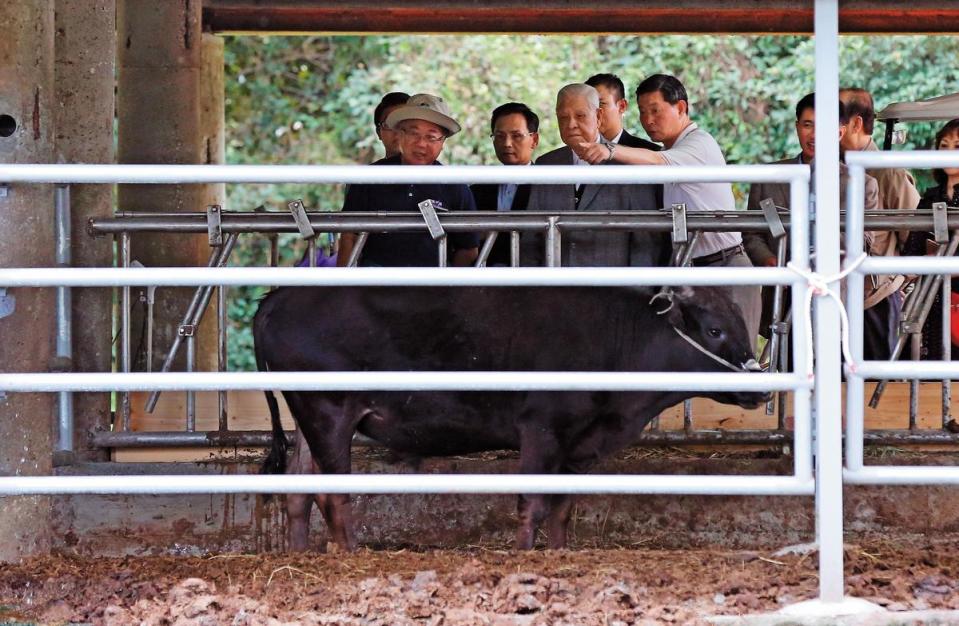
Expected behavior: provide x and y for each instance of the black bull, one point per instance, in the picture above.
(486, 329)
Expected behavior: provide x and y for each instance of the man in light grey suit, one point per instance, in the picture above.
(577, 114)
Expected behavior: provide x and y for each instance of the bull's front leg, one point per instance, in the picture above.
(299, 505)
(557, 522)
(539, 454)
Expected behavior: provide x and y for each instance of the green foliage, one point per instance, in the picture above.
(311, 99)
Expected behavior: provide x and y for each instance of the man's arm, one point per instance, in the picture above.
(598, 153)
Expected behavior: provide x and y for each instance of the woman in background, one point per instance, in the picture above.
(945, 190)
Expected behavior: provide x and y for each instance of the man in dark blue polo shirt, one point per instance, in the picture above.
(423, 125)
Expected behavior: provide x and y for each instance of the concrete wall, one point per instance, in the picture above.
(162, 60)
(85, 51)
(27, 126)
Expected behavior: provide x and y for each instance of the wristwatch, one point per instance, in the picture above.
(612, 148)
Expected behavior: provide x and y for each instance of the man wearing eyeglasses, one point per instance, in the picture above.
(577, 114)
(423, 124)
(515, 134)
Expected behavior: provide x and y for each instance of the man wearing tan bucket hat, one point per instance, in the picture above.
(423, 124)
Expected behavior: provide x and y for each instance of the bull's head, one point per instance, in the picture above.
(711, 322)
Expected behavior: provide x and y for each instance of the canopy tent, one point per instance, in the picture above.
(930, 110)
(939, 108)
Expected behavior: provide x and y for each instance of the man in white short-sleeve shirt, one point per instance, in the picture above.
(664, 114)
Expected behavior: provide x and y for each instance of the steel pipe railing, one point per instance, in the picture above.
(398, 276)
(399, 381)
(524, 221)
(410, 483)
(856, 472)
(394, 174)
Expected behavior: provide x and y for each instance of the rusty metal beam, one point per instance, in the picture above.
(554, 16)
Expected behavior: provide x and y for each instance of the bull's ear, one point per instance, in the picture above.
(682, 296)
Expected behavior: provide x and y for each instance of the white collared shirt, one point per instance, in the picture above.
(695, 146)
(506, 194)
(579, 161)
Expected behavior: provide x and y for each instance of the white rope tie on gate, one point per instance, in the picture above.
(819, 286)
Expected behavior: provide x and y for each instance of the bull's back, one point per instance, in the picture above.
(457, 329)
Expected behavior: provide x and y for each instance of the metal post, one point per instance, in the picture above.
(194, 312)
(221, 356)
(191, 367)
(64, 316)
(442, 251)
(514, 248)
(486, 248)
(915, 353)
(946, 348)
(125, 330)
(855, 292)
(357, 249)
(553, 244)
(828, 368)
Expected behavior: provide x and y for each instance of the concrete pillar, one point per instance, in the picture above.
(85, 49)
(26, 231)
(162, 119)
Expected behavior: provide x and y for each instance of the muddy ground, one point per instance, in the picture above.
(639, 585)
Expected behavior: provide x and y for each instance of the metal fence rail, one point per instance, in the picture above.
(797, 176)
(855, 471)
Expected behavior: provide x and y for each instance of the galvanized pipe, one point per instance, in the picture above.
(914, 314)
(554, 243)
(485, 249)
(194, 312)
(946, 350)
(125, 357)
(221, 355)
(396, 174)
(526, 221)
(400, 276)
(64, 348)
(409, 483)
(358, 246)
(190, 393)
(406, 381)
(263, 438)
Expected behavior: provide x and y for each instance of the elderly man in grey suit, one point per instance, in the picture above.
(577, 114)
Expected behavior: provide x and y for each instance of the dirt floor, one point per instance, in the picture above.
(470, 587)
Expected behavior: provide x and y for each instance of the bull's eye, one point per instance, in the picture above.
(715, 333)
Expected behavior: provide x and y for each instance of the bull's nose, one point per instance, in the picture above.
(752, 366)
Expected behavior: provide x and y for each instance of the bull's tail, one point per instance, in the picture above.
(275, 462)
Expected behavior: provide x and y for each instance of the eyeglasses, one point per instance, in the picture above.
(516, 137)
(416, 137)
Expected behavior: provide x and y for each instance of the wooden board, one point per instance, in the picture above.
(247, 410)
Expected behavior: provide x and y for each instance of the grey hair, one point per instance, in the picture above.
(579, 90)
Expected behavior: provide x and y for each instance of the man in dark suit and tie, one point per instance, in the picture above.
(612, 112)
(515, 132)
(577, 115)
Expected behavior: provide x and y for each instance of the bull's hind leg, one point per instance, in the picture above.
(299, 505)
(329, 433)
(539, 454)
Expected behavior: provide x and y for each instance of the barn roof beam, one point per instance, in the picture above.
(566, 16)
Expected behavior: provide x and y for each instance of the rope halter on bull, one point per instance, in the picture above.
(749, 366)
(818, 286)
